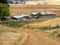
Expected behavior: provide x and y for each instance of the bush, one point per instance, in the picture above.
(4, 11)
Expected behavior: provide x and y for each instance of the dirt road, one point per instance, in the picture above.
(40, 38)
(35, 37)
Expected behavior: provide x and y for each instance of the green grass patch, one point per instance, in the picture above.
(14, 23)
(20, 23)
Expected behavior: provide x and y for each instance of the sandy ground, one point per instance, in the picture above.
(35, 37)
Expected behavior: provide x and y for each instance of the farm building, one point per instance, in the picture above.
(47, 14)
(21, 17)
(43, 15)
(35, 15)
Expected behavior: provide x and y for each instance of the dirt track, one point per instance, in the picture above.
(40, 38)
(35, 37)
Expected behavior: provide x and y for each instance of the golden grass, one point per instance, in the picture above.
(48, 23)
(27, 9)
(9, 38)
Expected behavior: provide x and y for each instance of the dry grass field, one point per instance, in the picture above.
(27, 9)
(9, 38)
(45, 24)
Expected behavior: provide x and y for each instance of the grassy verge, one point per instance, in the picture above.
(14, 23)
(20, 23)
(51, 28)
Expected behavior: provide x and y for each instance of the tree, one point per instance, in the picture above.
(4, 11)
(4, 1)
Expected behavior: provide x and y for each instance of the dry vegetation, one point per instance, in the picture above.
(45, 24)
(9, 38)
(55, 32)
(27, 9)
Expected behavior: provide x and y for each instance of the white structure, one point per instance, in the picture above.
(34, 13)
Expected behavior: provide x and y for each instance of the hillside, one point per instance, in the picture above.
(45, 24)
(17, 9)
